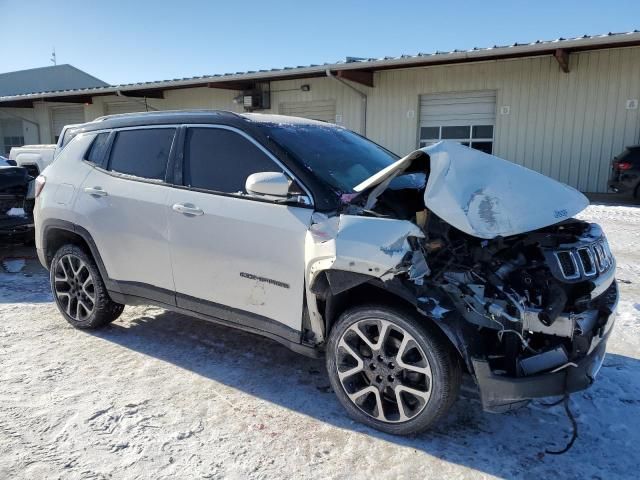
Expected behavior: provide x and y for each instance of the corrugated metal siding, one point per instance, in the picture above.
(567, 126)
(323, 110)
(115, 108)
(349, 105)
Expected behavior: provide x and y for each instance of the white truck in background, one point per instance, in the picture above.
(35, 158)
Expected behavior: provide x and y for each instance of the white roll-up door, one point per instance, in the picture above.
(466, 117)
(61, 116)
(115, 108)
(323, 110)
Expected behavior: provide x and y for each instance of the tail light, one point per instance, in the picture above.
(40, 181)
(622, 166)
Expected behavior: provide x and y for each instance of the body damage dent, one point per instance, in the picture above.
(480, 194)
(373, 247)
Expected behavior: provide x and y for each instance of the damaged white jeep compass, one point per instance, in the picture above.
(403, 273)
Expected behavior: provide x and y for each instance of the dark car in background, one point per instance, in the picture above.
(625, 178)
(15, 222)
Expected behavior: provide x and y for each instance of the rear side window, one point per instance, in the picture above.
(68, 136)
(142, 153)
(221, 160)
(98, 149)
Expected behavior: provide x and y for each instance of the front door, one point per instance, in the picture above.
(235, 257)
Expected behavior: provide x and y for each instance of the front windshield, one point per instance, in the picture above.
(339, 157)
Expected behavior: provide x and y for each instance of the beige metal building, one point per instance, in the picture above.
(563, 107)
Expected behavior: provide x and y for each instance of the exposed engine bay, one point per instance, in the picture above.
(516, 306)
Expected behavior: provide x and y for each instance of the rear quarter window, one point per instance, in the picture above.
(142, 153)
(98, 149)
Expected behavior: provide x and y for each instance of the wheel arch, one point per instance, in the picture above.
(361, 290)
(56, 233)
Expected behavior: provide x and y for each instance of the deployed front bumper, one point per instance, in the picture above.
(500, 393)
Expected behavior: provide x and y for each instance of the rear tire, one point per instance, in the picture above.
(391, 370)
(78, 289)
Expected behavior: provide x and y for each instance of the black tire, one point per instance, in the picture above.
(104, 309)
(439, 356)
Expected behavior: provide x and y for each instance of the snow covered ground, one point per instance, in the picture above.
(159, 395)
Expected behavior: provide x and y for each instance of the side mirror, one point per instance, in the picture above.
(273, 186)
(268, 184)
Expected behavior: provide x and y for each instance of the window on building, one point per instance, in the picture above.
(479, 137)
(143, 153)
(10, 142)
(221, 160)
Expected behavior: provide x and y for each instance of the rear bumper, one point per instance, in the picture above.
(500, 393)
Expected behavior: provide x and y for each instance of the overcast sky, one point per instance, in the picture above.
(141, 40)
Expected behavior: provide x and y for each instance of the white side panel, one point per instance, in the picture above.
(240, 253)
(67, 172)
(129, 227)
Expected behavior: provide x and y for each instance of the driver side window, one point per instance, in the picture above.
(220, 160)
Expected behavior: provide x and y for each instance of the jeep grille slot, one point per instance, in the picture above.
(588, 264)
(568, 264)
(602, 255)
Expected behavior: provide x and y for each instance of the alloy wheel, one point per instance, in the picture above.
(383, 370)
(74, 287)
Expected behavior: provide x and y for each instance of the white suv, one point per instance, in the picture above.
(402, 272)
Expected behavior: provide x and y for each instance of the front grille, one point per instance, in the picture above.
(584, 261)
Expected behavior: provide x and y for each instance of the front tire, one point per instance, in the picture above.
(391, 371)
(78, 289)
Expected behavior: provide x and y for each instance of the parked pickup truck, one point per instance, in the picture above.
(35, 158)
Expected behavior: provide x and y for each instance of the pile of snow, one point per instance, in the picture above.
(16, 212)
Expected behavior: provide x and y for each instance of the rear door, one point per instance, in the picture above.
(235, 257)
(123, 205)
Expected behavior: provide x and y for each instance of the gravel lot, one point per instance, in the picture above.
(160, 395)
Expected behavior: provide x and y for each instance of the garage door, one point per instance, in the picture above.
(323, 110)
(61, 116)
(116, 108)
(466, 117)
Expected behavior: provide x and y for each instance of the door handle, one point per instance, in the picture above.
(96, 191)
(188, 209)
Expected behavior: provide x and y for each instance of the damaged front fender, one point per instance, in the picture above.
(372, 247)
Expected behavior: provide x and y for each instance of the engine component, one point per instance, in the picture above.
(557, 300)
(544, 361)
(563, 326)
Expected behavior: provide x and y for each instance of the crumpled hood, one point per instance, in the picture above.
(484, 195)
